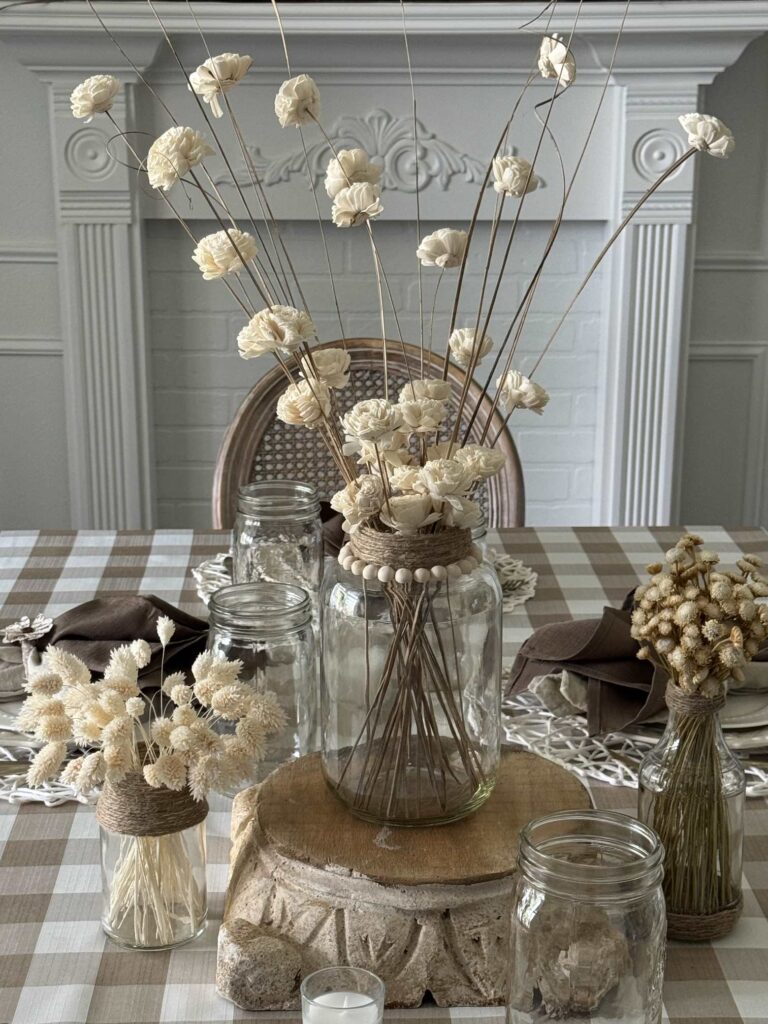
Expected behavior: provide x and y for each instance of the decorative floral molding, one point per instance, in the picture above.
(387, 139)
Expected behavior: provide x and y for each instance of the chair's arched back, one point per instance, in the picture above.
(258, 446)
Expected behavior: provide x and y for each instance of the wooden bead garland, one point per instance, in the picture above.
(400, 574)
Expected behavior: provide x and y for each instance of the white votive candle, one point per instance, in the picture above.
(342, 995)
(341, 1008)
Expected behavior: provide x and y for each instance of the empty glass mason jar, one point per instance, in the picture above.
(278, 535)
(588, 923)
(268, 626)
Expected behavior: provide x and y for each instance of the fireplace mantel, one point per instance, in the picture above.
(469, 59)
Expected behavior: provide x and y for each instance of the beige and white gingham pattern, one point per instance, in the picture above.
(56, 967)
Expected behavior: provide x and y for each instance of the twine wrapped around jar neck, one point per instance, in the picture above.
(420, 550)
(692, 703)
(132, 807)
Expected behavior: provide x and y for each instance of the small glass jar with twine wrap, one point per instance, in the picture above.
(411, 677)
(152, 863)
(700, 624)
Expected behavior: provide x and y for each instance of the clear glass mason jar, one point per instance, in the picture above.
(268, 626)
(152, 864)
(411, 694)
(278, 535)
(588, 926)
(692, 791)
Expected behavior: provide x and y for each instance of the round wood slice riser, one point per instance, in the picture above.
(427, 909)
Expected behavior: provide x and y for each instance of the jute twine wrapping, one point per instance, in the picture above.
(692, 703)
(704, 927)
(420, 551)
(134, 808)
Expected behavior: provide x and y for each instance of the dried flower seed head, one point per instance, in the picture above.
(46, 762)
(161, 730)
(174, 679)
(654, 568)
(185, 715)
(43, 682)
(134, 707)
(142, 653)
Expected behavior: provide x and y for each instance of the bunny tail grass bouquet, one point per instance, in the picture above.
(701, 625)
(154, 759)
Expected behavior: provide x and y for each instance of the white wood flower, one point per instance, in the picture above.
(330, 365)
(422, 415)
(444, 248)
(556, 60)
(519, 392)
(305, 403)
(359, 501)
(513, 176)
(348, 167)
(224, 252)
(275, 329)
(483, 462)
(173, 154)
(392, 452)
(708, 134)
(444, 479)
(463, 513)
(297, 101)
(356, 204)
(405, 478)
(216, 76)
(427, 387)
(408, 513)
(374, 420)
(462, 344)
(94, 96)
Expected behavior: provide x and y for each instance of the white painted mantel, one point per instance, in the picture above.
(469, 59)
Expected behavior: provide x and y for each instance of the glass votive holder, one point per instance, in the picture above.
(588, 924)
(342, 995)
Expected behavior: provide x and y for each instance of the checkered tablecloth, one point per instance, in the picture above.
(56, 966)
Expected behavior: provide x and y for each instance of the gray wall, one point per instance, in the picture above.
(723, 474)
(725, 450)
(33, 461)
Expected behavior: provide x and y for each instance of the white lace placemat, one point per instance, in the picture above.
(518, 582)
(612, 759)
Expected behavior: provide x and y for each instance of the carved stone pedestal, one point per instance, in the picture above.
(425, 909)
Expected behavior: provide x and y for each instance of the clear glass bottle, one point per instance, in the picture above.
(153, 885)
(411, 694)
(278, 535)
(692, 791)
(588, 927)
(268, 626)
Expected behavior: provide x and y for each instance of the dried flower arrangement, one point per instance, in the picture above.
(137, 743)
(702, 625)
(408, 468)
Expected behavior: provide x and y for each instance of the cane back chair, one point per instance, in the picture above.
(258, 446)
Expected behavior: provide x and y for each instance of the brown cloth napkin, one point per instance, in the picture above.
(93, 629)
(621, 691)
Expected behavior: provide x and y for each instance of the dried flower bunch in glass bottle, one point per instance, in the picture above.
(701, 624)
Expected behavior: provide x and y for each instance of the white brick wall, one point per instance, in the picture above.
(199, 380)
